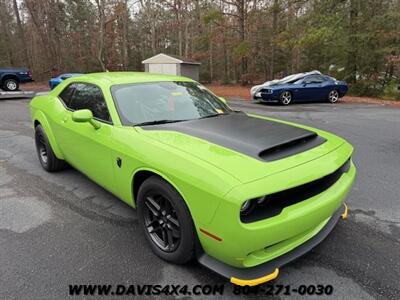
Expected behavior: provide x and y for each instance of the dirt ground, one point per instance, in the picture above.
(37, 86)
(236, 92)
(243, 92)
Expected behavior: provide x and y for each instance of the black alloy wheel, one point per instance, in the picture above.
(166, 221)
(162, 223)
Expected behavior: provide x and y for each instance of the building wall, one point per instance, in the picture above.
(187, 70)
(191, 71)
(169, 69)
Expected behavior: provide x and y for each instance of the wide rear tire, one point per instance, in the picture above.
(166, 221)
(47, 158)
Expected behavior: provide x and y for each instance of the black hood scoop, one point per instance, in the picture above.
(259, 138)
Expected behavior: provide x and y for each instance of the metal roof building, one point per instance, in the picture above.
(172, 65)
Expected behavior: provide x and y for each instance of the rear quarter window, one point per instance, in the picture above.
(66, 94)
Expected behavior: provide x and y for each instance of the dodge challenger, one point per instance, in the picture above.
(302, 87)
(243, 194)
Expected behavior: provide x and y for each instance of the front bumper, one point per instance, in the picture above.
(245, 245)
(266, 97)
(26, 80)
(270, 270)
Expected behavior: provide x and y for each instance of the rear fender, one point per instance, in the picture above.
(41, 118)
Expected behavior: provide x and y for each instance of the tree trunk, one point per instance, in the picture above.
(21, 34)
(187, 38)
(352, 42)
(125, 20)
(102, 29)
(211, 59)
(242, 30)
(5, 28)
(275, 12)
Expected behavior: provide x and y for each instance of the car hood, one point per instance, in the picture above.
(278, 86)
(247, 147)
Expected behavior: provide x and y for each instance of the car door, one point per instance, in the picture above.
(313, 88)
(301, 91)
(87, 148)
(321, 86)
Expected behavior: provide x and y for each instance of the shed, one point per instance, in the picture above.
(172, 65)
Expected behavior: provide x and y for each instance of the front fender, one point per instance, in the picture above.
(39, 116)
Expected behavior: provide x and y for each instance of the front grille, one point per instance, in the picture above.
(266, 91)
(276, 202)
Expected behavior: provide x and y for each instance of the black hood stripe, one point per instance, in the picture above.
(259, 138)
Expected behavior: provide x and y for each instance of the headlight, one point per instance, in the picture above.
(249, 205)
(258, 94)
(262, 200)
(254, 89)
(246, 207)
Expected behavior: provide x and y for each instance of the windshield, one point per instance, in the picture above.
(162, 102)
(289, 78)
(298, 81)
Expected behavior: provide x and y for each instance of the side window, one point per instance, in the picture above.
(319, 79)
(314, 79)
(66, 94)
(89, 96)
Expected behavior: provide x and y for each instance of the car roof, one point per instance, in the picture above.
(113, 78)
(14, 69)
(71, 74)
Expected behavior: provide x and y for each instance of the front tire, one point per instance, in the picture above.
(333, 96)
(285, 98)
(47, 158)
(11, 85)
(166, 221)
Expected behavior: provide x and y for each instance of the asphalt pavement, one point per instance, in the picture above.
(61, 228)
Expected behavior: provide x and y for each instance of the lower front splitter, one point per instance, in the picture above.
(269, 270)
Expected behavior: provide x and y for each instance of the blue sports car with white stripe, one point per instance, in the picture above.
(302, 87)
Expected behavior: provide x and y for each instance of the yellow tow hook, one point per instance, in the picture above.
(346, 212)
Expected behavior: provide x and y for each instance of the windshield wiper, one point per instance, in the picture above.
(155, 122)
(214, 115)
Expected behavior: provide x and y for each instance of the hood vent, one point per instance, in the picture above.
(292, 147)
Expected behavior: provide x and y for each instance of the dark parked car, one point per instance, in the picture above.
(301, 87)
(11, 78)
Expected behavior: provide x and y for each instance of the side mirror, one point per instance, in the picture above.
(223, 100)
(83, 116)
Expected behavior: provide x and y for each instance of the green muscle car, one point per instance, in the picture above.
(243, 194)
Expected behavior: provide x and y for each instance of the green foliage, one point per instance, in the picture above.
(364, 88)
(212, 15)
(392, 91)
(317, 36)
(241, 50)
